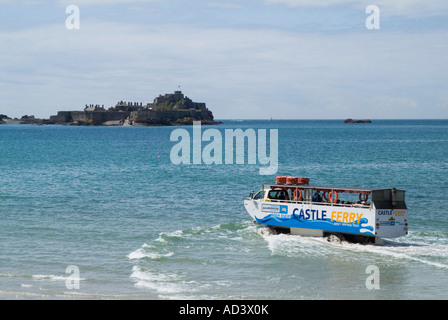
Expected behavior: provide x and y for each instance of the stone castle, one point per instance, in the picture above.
(169, 109)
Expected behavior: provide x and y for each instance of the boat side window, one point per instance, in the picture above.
(273, 195)
(277, 195)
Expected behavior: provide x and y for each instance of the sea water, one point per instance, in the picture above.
(109, 203)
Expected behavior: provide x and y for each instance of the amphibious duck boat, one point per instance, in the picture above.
(292, 205)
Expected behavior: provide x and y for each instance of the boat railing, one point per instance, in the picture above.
(314, 195)
(322, 203)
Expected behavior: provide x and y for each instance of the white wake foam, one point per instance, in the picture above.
(433, 254)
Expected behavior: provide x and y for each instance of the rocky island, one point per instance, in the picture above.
(3, 116)
(169, 109)
(166, 110)
(357, 121)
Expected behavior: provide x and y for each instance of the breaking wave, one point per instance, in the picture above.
(175, 265)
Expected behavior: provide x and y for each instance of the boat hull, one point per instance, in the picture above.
(311, 219)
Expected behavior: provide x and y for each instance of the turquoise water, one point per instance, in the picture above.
(139, 227)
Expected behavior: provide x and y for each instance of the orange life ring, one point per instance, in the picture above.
(295, 195)
(363, 199)
(330, 196)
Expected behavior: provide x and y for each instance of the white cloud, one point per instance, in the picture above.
(242, 68)
(102, 2)
(409, 8)
(309, 3)
(224, 5)
(239, 73)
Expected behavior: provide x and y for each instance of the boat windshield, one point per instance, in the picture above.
(259, 195)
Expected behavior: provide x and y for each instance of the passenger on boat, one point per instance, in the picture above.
(317, 197)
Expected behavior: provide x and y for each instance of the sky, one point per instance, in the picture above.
(246, 59)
